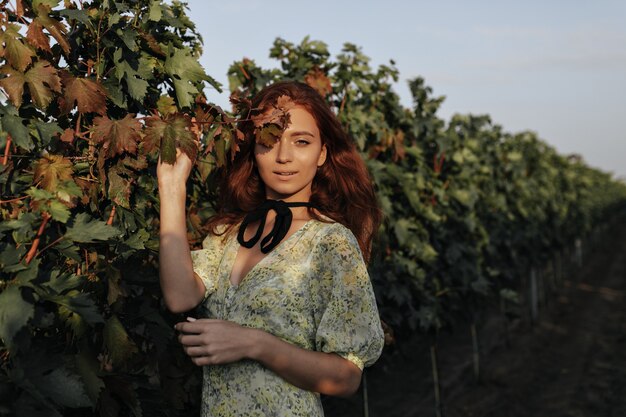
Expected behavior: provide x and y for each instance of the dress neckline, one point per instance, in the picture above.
(233, 250)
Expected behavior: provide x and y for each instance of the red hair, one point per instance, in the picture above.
(342, 188)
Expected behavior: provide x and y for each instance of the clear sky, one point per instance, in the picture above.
(555, 67)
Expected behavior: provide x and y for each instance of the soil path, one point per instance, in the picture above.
(570, 363)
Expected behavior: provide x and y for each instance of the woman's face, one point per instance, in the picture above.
(288, 168)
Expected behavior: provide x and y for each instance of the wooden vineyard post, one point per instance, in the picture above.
(475, 349)
(366, 409)
(503, 310)
(579, 252)
(534, 302)
(559, 268)
(436, 380)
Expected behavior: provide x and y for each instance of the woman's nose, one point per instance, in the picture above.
(284, 152)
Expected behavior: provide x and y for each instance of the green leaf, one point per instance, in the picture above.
(18, 54)
(59, 211)
(46, 131)
(88, 369)
(15, 313)
(79, 303)
(168, 133)
(185, 72)
(15, 126)
(117, 342)
(85, 229)
(155, 13)
(76, 14)
(64, 387)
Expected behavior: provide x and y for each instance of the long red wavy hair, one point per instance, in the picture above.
(342, 188)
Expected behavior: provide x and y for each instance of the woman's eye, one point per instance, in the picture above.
(302, 141)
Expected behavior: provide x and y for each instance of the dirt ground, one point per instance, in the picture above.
(570, 363)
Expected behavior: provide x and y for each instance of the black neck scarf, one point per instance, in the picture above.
(282, 223)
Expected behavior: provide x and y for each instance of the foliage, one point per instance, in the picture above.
(469, 208)
(97, 90)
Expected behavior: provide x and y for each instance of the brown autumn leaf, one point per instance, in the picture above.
(13, 84)
(399, 152)
(42, 80)
(268, 135)
(55, 27)
(166, 105)
(119, 189)
(89, 95)
(36, 37)
(17, 53)
(67, 136)
(117, 136)
(317, 79)
(167, 134)
(52, 170)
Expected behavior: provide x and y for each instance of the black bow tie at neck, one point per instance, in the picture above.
(282, 223)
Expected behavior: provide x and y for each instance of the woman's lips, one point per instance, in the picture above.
(285, 174)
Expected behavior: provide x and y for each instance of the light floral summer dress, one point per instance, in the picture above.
(312, 290)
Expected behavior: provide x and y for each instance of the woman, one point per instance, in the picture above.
(291, 315)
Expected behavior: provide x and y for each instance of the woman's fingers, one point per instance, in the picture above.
(191, 339)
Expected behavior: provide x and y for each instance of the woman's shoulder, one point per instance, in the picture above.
(334, 233)
(219, 235)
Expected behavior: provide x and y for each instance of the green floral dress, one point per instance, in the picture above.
(312, 290)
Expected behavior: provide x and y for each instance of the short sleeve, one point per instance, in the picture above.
(347, 316)
(206, 261)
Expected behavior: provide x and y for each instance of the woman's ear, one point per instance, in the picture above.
(322, 157)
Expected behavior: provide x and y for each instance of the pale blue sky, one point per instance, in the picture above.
(556, 67)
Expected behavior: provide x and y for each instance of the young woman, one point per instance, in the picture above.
(290, 315)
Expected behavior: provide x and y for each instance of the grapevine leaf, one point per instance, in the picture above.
(117, 342)
(136, 79)
(65, 387)
(76, 14)
(89, 95)
(46, 4)
(168, 133)
(56, 28)
(15, 313)
(36, 37)
(42, 80)
(13, 84)
(117, 136)
(18, 54)
(68, 136)
(88, 368)
(166, 105)
(268, 135)
(119, 189)
(77, 302)
(46, 131)
(155, 13)
(14, 125)
(185, 71)
(58, 211)
(87, 230)
(52, 169)
(317, 79)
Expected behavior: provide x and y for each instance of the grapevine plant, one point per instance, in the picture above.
(95, 92)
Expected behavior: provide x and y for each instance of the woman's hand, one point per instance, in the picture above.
(214, 342)
(174, 175)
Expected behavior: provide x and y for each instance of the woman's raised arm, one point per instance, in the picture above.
(182, 289)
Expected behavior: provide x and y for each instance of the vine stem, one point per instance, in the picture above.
(111, 216)
(7, 150)
(33, 249)
(51, 244)
(14, 199)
